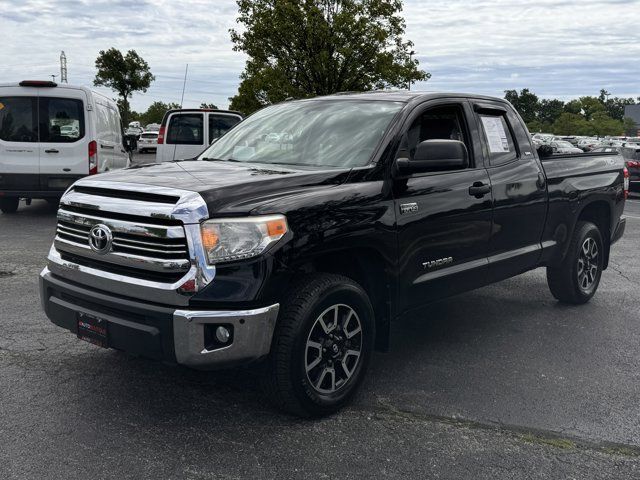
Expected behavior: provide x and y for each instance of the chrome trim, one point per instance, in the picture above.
(190, 209)
(149, 290)
(252, 334)
(150, 264)
(122, 226)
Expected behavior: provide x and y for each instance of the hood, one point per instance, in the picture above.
(225, 186)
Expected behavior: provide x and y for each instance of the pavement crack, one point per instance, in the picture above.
(550, 438)
(617, 269)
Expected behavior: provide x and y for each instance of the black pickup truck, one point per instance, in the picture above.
(295, 239)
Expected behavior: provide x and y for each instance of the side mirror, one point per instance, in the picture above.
(435, 156)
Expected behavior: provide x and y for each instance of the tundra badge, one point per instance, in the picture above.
(437, 263)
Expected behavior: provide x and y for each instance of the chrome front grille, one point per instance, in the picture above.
(145, 247)
(156, 252)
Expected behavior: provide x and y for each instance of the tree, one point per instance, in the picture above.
(525, 102)
(305, 48)
(123, 73)
(549, 111)
(571, 124)
(629, 126)
(156, 111)
(209, 105)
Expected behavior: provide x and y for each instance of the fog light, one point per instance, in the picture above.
(222, 334)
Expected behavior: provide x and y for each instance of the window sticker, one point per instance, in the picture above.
(496, 136)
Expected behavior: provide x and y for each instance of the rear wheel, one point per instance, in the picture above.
(321, 347)
(9, 205)
(577, 278)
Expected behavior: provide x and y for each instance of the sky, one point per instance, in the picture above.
(556, 48)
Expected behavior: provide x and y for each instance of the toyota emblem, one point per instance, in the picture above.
(100, 239)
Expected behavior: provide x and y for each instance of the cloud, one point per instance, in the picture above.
(555, 48)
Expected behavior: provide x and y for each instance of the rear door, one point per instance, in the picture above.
(64, 136)
(19, 152)
(185, 135)
(221, 123)
(519, 191)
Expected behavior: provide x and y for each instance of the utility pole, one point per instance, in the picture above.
(63, 67)
(411, 54)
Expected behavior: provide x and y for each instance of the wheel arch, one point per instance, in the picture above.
(599, 212)
(367, 267)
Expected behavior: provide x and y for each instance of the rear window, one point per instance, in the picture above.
(149, 135)
(61, 120)
(186, 129)
(221, 124)
(500, 143)
(18, 119)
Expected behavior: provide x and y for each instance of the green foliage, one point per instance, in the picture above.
(124, 74)
(583, 116)
(525, 102)
(155, 112)
(209, 105)
(305, 48)
(630, 127)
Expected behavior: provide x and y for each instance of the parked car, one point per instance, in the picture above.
(186, 133)
(134, 131)
(52, 135)
(564, 147)
(606, 149)
(543, 137)
(631, 154)
(148, 141)
(297, 237)
(153, 127)
(588, 144)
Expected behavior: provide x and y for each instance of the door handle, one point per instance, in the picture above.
(51, 150)
(479, 189)
(541, 182)
(107, 147)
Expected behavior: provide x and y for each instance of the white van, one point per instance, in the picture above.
(51, 135)
(185, 133)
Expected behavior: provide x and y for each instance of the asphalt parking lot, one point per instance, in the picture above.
(502, 382)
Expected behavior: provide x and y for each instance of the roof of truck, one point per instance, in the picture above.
(406, 95)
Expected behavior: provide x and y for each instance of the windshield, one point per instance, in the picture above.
(564, 145)
(309, 133)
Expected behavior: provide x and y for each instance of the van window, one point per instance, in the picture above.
(221, 124)
(498, 137)
(18, 119)
(186, 129)
(61, 120)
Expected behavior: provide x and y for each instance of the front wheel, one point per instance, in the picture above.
(577, 278)
(322, 346)
(9, 205)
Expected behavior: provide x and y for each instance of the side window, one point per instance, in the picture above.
(61, 120)
(221, 124)
(439, 123)
(186, 129)
(102, 123)
(498, 137)
(18, 119)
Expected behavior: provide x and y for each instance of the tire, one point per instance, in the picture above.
(9, 204)
(291, 380)
(576, 279)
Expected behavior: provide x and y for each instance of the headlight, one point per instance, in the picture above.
(227, 239)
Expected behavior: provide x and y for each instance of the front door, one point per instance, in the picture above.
(443, 228)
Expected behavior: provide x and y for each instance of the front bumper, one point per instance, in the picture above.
(163, 333)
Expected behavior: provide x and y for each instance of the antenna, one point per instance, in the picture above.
(63, 67)
(184, 84)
